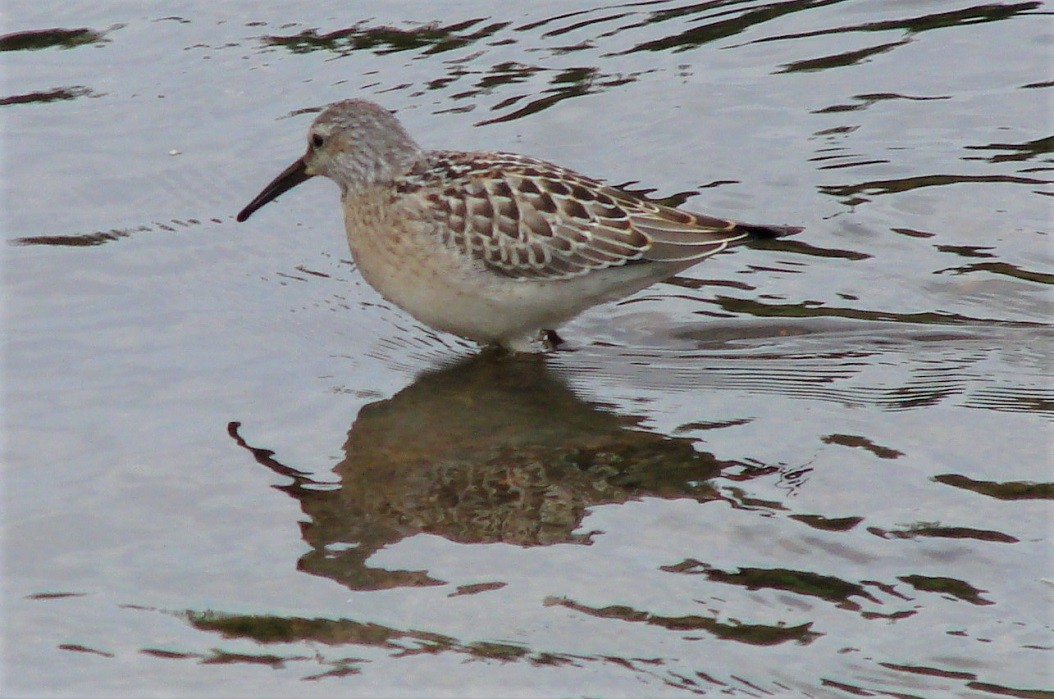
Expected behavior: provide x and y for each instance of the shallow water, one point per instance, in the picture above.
(820, 467)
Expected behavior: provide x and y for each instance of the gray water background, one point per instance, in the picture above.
(817, 468)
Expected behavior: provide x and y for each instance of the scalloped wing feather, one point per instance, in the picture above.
(529, 219)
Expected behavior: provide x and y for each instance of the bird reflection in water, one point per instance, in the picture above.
(489, 450)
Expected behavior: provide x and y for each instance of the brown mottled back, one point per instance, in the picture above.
(529, 219)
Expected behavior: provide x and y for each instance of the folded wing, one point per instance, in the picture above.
(528, 219)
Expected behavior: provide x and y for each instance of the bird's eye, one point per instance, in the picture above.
(317, 140)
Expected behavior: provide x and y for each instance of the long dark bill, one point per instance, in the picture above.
(290, 177)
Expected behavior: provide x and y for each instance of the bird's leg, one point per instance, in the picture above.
(550, 340)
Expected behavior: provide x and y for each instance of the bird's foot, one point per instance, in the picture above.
(528, 344)
(550, 340)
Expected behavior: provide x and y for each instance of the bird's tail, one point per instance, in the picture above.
(762, 232)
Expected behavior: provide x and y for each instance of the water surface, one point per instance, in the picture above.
(819, 467)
